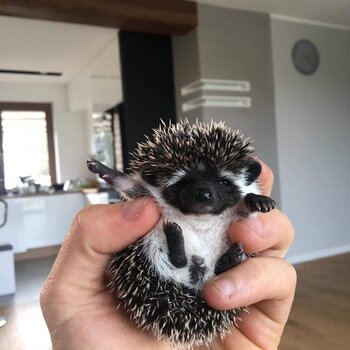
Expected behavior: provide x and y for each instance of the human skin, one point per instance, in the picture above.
(81, 314)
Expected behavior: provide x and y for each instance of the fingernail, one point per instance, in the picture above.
(255, 225)
(132, 210)
(224, 286)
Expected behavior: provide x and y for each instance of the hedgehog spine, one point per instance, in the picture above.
(202, 177)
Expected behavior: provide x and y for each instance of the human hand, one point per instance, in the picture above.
(266, 282)
(79, 312)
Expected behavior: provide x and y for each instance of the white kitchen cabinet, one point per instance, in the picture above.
(40, 220)
(96, 198)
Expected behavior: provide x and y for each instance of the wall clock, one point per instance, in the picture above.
(305, 57)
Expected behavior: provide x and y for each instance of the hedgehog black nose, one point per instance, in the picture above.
(203, 195)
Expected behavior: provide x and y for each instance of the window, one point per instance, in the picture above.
(118, 142)
(26, 147)
(108, 139)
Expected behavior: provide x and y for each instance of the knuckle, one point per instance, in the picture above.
(290, 230)
(257, 269)
(274, 266)
(291, 274)
(45, 296)
(294, 275)
(287, 238)
(83, 217)
(86, 211)
(269, 174)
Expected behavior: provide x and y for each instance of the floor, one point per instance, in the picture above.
(320, 318)
(26, 328)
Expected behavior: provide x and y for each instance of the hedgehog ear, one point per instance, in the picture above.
(155, 177)
(252, 170)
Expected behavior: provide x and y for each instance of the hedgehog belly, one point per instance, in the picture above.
(171, 311)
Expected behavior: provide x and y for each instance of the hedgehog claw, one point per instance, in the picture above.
(91, 164)
(262, 204)
(100, 169)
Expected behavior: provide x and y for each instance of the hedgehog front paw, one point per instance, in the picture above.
(257, 202)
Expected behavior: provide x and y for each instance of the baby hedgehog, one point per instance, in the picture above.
(203, 177)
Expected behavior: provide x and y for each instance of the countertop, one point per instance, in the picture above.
(38, 194)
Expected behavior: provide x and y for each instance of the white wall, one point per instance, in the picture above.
(233, 45)
(98, 86)
(313, 139)
(71, 144)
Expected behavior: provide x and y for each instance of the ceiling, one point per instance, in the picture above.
(331, 12)
(37, 45)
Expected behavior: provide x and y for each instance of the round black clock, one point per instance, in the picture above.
(305, 57)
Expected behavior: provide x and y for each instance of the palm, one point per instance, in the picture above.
(98, 325)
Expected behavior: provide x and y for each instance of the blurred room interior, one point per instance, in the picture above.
(80, 80)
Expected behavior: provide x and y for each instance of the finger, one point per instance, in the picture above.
(265, 178)
(252, 281)
(271, 234)
(109, 228)
(267, 286)
(96, 233)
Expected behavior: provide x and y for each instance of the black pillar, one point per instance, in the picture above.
(148, 86)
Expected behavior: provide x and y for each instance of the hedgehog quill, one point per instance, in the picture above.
(203, 177)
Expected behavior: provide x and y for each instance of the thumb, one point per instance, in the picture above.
(107, 229)
(97, 232)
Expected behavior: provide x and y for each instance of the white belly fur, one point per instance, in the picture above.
(204, 235)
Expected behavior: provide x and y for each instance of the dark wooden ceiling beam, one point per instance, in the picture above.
(174, 17)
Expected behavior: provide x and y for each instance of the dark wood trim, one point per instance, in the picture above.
(172, 17)
(29, 106)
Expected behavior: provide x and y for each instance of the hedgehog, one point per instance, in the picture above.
(203, 177)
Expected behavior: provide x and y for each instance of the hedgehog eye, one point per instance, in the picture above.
(225, 182)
